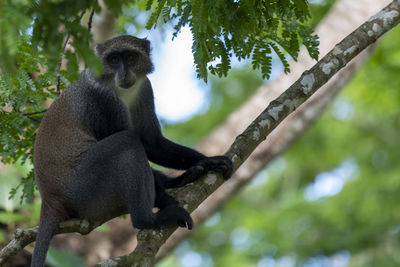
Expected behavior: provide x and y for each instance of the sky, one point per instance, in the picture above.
(178, 93)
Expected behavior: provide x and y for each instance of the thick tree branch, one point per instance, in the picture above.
(149, 241)
(23, 237)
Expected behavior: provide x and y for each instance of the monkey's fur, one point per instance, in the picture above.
(92, 149)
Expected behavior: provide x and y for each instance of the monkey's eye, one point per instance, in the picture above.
(113, 59)
(130, 57)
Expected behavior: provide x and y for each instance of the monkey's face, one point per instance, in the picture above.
(123, 65)
(126, 60)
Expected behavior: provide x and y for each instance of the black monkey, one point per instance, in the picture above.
(93, 146)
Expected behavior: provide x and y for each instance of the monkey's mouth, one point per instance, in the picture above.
(126, 84)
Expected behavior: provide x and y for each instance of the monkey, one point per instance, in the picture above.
(93, 147)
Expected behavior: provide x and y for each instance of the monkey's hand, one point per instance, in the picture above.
(220, 164)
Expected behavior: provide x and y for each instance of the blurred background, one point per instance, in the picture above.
(331, 199)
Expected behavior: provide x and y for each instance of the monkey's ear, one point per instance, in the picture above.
(99, 49)
(146, 46)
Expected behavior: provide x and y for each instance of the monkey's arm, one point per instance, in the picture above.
(169, 154)
(166, 153)
(165, 181)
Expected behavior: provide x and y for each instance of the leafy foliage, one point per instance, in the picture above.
(221, 29)
(246, 29)
(48, 23)
(22, 98)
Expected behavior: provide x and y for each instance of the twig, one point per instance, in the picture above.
(33, 119)
(58, 91)
(28, 115)
(34, 113)
(90, 20)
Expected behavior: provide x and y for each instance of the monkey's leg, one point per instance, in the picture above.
(116, 178)
(169, 210)
(162, 198)
(111, 171)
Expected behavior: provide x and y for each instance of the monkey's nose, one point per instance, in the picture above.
(127, 80)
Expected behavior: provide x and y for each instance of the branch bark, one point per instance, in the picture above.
(149, 241)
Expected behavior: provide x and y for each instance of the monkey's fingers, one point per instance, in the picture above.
(190, 176)
(185, 224)
(227, 163)
(220, 164)
(184, 219)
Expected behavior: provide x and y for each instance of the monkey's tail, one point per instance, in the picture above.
(48, 223)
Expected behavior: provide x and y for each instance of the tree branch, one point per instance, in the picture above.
(190, 196)
(23, 237)
(34, 113)
(58, 89)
